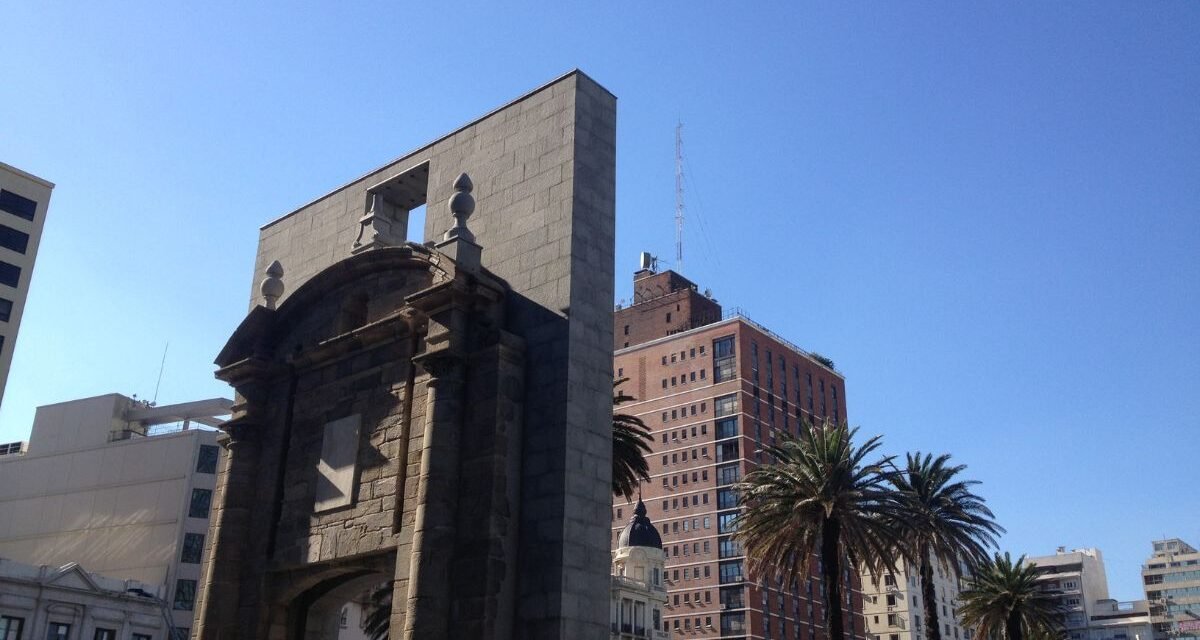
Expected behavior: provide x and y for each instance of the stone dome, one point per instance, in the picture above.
(640, 532)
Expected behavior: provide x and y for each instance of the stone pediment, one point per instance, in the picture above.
(71, 576)
(361, 290)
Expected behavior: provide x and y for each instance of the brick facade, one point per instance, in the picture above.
(709, 423)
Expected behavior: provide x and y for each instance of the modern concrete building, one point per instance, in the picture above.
(1080, 580)
(1112, 620)
(24, 199)
(639, 592)
(1172, 581)
(1079, 577)
(118, 486)
(893, 609)
(714, 391)
(68, 603)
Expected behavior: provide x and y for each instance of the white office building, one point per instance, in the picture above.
(24, 199)
(118, 486)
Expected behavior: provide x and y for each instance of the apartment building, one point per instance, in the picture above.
(1171, 578)
(24, 199)
(119, 486)
(893, 608)
(1080, 582)
(714, 390)
(1079, 578)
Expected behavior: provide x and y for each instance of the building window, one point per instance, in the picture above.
(11, 627)
(727, 522)
(731, 571)
(19, 206)
(58, 631)
(728, 474)
(185, 595)
(5, 309)
(201, 501)
(206, 462)
(837, 413)
(193, 546)
(727, 427)
(182, 633)
(10, 274)
(728, 548)
(14, 240)
(668, 317)
(726, 499)
(105, 634)
(725, 405)
(626, 329)
(140, 636)
(724, 361)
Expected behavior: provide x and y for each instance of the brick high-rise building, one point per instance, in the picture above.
(714, 391)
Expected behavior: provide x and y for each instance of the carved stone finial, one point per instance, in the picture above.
(272, 285)
(462, 205)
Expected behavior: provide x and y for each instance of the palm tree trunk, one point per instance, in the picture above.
(1012, 626)
(831, 574)
(933, 628)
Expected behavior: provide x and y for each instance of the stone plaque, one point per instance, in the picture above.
(337, 468)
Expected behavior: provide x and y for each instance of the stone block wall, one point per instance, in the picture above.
(544, 174)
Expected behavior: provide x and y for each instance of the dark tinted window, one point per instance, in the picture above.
(185, 595)
(19, 206)
(12, 239)
(207, 461)
(10, 274)
(193, 548)
(5, 309)
(201, 500)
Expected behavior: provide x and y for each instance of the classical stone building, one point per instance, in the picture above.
(431, 414)
(639, 589)
(69, 603)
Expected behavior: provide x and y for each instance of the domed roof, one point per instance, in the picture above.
(640, 532)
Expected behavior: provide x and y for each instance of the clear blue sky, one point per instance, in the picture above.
(987, 213)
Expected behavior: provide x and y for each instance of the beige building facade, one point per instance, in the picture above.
(118, 486)
(893, 610)
(24, 199)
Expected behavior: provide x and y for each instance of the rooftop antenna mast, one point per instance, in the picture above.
(679, 197)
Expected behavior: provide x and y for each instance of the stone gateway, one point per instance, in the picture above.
(435, 415)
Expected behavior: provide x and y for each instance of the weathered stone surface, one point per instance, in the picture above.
(483, 396)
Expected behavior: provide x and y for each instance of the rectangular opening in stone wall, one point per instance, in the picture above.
(337, 469)
(396, 200)
(416, 224)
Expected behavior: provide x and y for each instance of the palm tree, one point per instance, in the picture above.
(943, 522)
(1003, 600)
(819, 495)
(378, 611)
(630, 442)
